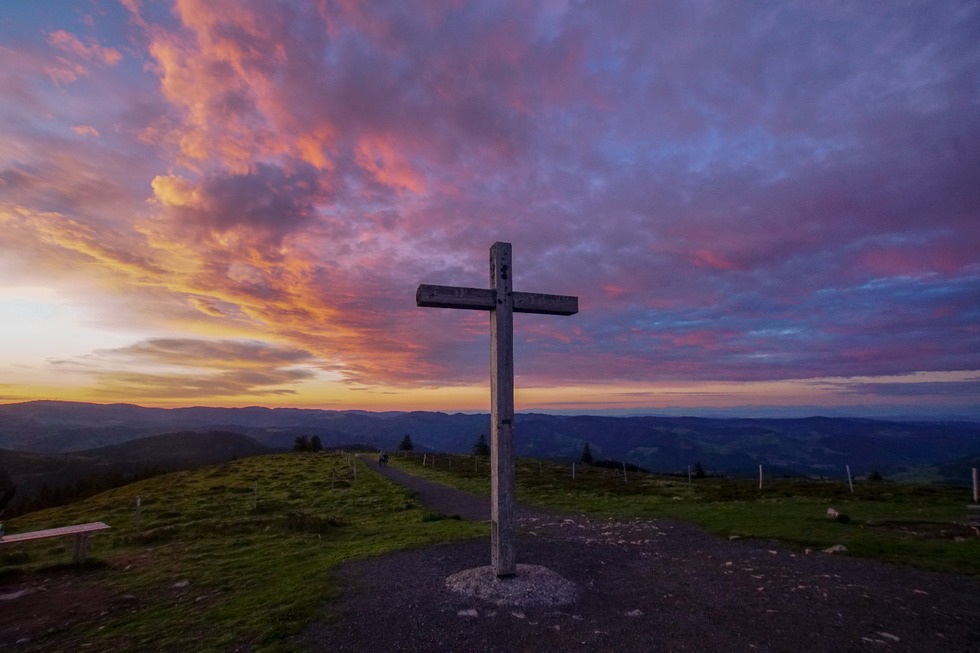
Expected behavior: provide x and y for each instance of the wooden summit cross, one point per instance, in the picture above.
(502, 302)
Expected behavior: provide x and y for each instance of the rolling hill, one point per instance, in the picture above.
(69, 475)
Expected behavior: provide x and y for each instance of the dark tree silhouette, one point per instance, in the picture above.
(481, 448)
(7, 490)
(587, 455)
(315, 444)
(699, 471)
(302, 443)
(406, 444)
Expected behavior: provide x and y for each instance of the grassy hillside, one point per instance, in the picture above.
(920, 525)
(237, 554)
(242, 555)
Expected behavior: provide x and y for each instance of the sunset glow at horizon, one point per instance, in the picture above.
(231, 203)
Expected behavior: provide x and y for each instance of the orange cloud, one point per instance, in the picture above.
(376, 155)
(225, 70)
(172, 190)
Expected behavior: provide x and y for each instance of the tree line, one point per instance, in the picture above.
(14, 502)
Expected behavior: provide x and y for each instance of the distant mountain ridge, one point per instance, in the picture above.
(819, 446)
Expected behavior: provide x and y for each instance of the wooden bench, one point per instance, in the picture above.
(79, 531)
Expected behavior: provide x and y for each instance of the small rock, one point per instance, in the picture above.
(894, 638)
(837, 548)
(181, 583)
(468, 613)
(634, 613)
(832, 514)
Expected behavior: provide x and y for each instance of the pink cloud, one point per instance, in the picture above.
(93, 52)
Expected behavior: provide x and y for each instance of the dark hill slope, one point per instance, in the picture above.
(80, 472)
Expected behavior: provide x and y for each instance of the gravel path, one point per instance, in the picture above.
(644, 585)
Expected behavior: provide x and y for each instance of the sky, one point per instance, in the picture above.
(761, 206)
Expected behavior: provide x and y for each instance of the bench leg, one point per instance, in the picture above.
(81, 547)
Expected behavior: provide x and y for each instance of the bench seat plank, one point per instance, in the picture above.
(77, 529)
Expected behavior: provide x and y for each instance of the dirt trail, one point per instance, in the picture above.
(645, 585)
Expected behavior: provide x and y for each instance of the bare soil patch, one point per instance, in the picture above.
(38, 608)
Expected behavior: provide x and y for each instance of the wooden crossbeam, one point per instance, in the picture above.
(482, 299)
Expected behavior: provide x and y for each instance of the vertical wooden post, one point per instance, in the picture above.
(760, 477)
(502, 302)
(624, 471)
(502, 409)
(850, 482)
(81, 548)
(976, 493)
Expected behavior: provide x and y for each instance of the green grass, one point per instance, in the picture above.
(254, 543)
(918, 525)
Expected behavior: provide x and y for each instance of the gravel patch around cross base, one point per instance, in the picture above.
(644, 585)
